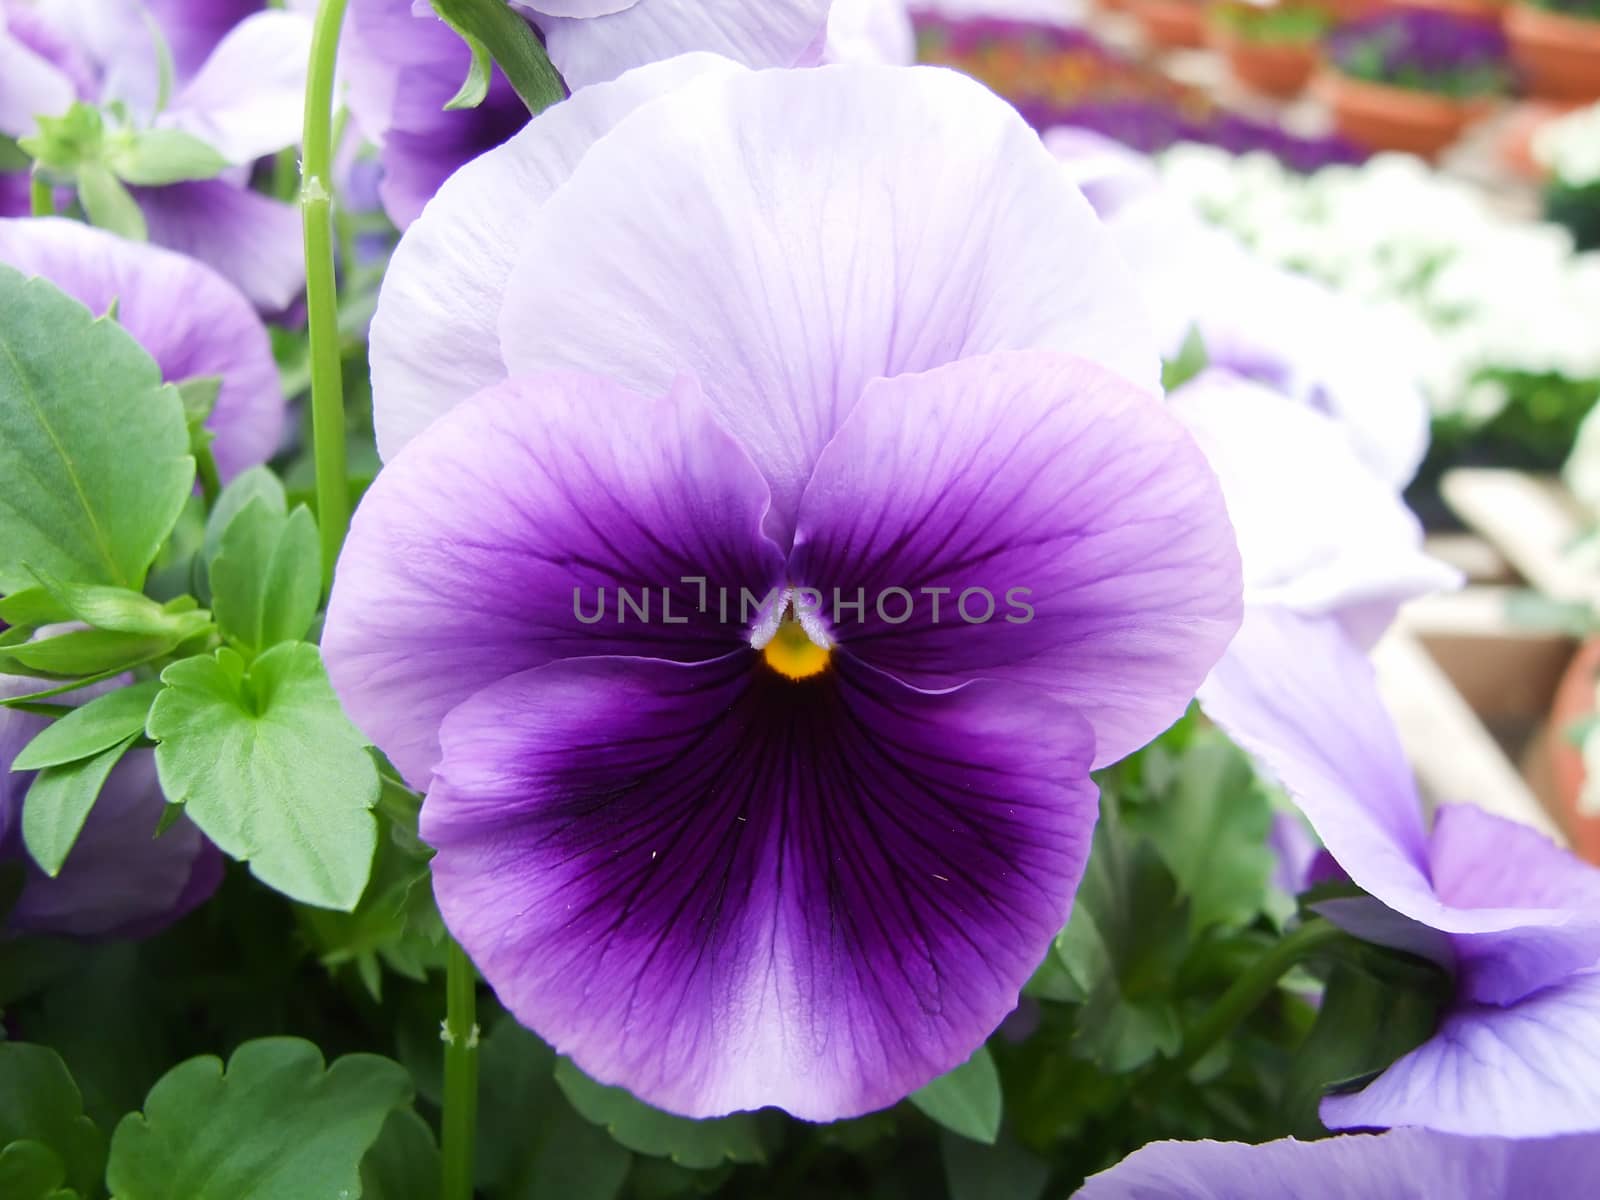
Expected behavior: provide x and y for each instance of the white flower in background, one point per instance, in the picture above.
(1492, 292)
(1582, 471)
(1569, 148)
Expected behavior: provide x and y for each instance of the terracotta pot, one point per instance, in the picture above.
(1170, 24)
(1377, 116)
(1574, 701)
(1273, 68)
(1521, 127)
(1559, 54)
(1489, 12)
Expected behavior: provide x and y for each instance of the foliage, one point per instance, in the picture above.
(1291, 23)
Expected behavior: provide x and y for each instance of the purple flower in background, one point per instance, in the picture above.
(848, 330)
(119, 879)
(239, 79)
(402, 69)
(403, 65)
(194, 323)
(1424, 50)
(1514, 918)
(1406, 1164)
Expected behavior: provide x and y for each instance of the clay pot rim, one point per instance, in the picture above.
(1529, 19)
(1426, 105)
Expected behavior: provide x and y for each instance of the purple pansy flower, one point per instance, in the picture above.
(194, 323)
(1280, 329)
(1406, 1164)
(239, 82)
(119, 879)
(846, 328)
(403, 65)
(1513, 917)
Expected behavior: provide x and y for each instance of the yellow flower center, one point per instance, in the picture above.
(793, 654)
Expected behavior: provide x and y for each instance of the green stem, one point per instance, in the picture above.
(460, 1074)
(513, 45)
(1252, 987)
(322, 294)
(41, 197)
(206, 467)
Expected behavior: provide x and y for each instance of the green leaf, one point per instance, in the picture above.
(40, 1103)
(109, 204)
(158, 157)
(403, 1163)
(967, 1100)
(94, 465)
(119, 610)
(1211, 831)
(275, 1126)
(1004, 1171)
(269, 767)
(83, 652)
(63, 144)
(1365, 1022)
(532, 1144)
(475, 87)
(513, 43)
(1191, 360)
(98, 725)
(32, 1171)
(258, 483)
(199, 396)
(266, 579)
(633, 1123)
(58, 803)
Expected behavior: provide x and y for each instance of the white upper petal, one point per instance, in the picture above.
(435, 337)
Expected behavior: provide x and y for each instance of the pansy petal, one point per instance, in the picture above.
(33, 87)
(724, 889)
(249, 239)
(248, 100)
(1318, 531)
(789, 236)
(1530, 1069)
(573, 8)
(773, 33)
(194, 28)
(435, 338)
(1485, 863)
(870, 31)
(1075, 531)
(189, 319)
(1296, 694)
(120, 879)
(482, 550)
(1405, 1164)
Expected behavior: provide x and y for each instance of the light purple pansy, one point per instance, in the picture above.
(1513, 917)
(1319, 532)
(1280, 329)
(591, 41)
(239, 76)
(194, 323)
(858, 333)
(119, 879)
(402, 66)
(1405, 1164)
